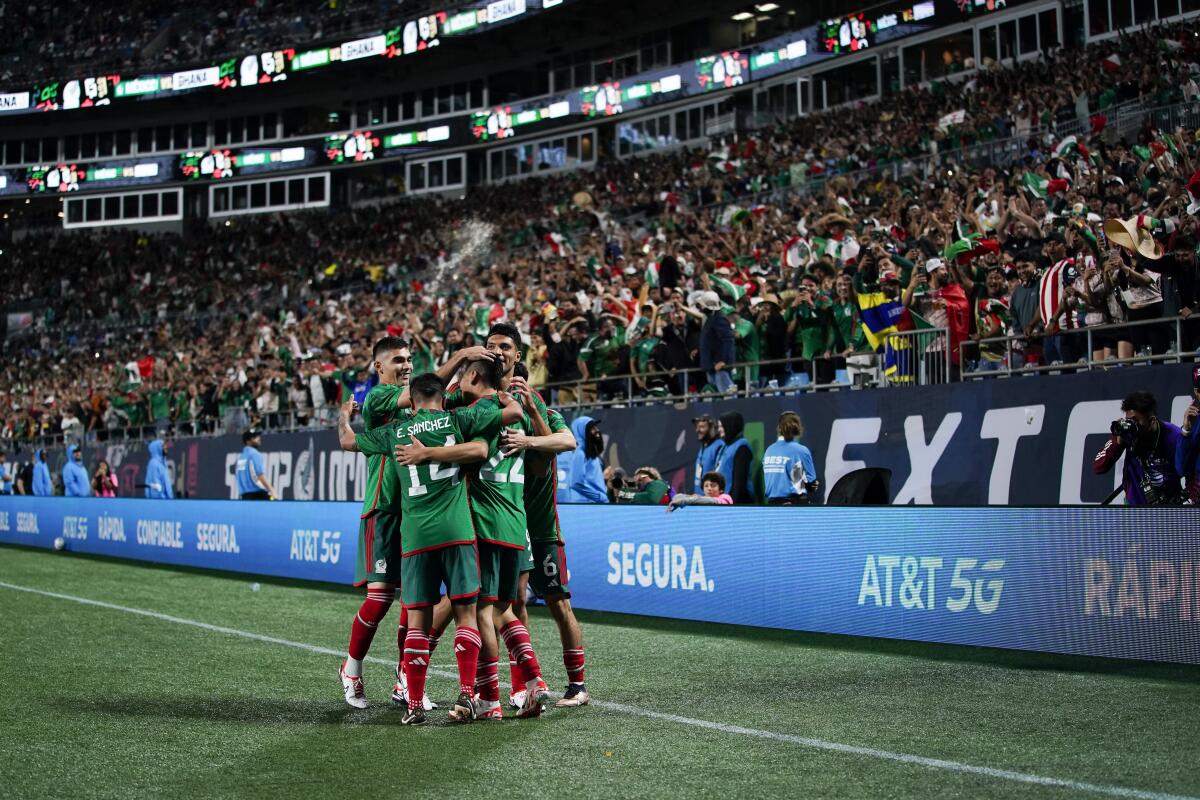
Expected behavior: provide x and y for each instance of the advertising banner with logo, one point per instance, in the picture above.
(311, 541)
(1020, 441)
(1110, 582)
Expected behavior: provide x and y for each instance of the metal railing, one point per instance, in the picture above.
(911, 358)
(1085, 336)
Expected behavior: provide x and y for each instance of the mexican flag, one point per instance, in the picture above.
(1042, 187)
(995, 310)
(797, 252)
(558, 243)
(1111, 63)
(727, 288)
(734, 215)
(963, 250)
(845, 250)
(651, 274)
(1071, 148)
(485, 315)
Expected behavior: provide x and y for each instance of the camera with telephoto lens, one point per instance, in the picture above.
(1126, 430)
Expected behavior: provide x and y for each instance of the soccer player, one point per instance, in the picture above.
(437, 537)
(497, 494)
(546, 568)
(378, 566)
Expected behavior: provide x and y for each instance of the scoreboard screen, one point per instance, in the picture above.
(722, 71)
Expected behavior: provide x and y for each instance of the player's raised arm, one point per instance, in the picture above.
(451, 367)
(346, 435)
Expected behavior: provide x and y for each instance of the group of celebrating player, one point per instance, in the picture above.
(460, 495)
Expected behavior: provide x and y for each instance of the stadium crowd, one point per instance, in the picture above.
(771, 246)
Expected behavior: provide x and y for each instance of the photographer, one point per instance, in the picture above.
(1150, 445)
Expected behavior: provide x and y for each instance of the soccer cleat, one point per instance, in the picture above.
(516, 699)
(463, 709)
(352, 686)
(413, 716)
(532, 707)
(400, 692)
(488, 711)
(576, 695)
(542, 692)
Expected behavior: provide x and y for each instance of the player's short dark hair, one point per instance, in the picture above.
(1140, 401)
(713, 477)
(521, 371)
(387, 344)
(490, 370)
(505, 329)
(427, 386)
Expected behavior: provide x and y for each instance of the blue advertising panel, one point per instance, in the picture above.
(1110, 582)
(311, 541)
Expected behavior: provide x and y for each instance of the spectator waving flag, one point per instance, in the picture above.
(1051, 288)
(734, 215)
(882, 316)
(797, 252)
(727, 288)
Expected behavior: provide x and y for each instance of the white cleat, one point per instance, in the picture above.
(356, 695)
(517, 699)
(400, 693)
(576, 695)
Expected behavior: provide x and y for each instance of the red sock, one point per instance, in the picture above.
(369, 615)
(573, 661)
(402, 634)
(466, 653)
(416, 663)
(435, 636)
(520, 649)
(487, 680)
(514, 675)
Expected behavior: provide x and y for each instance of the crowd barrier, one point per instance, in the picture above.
(1111, 582)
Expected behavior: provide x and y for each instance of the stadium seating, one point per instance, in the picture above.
(248, 318)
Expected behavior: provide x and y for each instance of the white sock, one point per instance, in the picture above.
(353, 667)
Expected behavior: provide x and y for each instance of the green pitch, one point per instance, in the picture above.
(98, 701)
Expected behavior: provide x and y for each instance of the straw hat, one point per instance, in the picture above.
(1126, 233)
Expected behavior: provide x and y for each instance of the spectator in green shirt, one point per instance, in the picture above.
(746, 341)
(810, 325)
(600, 357)
(642, 366)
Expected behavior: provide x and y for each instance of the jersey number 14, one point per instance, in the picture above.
(437, 472)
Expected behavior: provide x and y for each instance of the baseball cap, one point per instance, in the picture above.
(889, 277)
(711, 420)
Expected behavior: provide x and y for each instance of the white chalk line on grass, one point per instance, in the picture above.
(646, 713)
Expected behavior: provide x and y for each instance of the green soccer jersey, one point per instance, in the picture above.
(497, 489)
(160, 404)
(436, 513)
(541, 483)
(379, 408)
(601, 353)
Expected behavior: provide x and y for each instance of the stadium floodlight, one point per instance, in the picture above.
(741, 16)
(765, 7)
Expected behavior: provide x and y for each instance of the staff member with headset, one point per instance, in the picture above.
(252, 481)
(789, 475)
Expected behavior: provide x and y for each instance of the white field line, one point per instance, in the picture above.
(645, 713)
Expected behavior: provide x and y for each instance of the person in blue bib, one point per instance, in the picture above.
(711, 445)
(789, 475)
(252, 481)
(736, 461)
